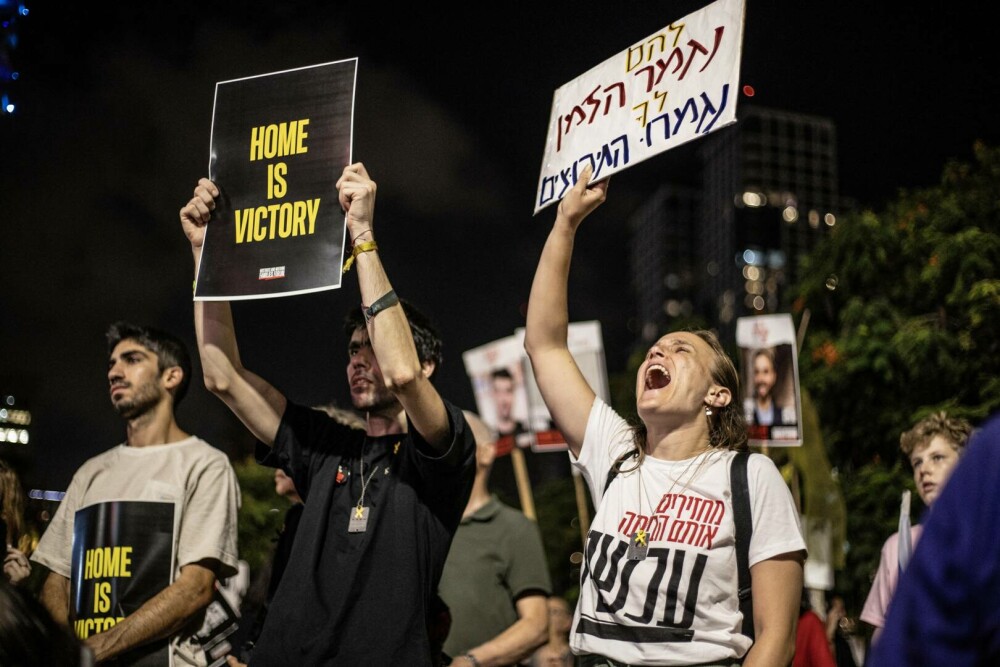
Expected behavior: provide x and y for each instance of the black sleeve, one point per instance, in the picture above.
(305, 438)
(446, 479)
(461, 451)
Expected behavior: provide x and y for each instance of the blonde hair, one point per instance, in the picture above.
(956, 431)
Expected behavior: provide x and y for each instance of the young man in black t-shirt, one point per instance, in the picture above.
(381, 505)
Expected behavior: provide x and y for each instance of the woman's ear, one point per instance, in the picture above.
(718, 397)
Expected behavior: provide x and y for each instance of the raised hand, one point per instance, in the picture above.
(357, 198)
(16, 567)
(582, 199)
(197, 212)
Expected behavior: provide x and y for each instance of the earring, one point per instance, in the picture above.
(708, 411)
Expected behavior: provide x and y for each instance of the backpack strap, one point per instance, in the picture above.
(744, 529)
(616, 467)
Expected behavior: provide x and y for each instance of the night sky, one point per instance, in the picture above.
(112, 129)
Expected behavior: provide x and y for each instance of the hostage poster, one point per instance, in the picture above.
(279, 144)
(586, 344)
(769, 375)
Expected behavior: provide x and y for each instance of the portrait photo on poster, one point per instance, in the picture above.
(497, 375)
(769, 374)
(506, 393)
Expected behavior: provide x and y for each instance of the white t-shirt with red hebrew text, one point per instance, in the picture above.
(678, 605)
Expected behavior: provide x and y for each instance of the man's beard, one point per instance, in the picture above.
(377, 401)
(145, 399)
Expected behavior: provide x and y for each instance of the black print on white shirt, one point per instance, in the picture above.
(675, 593)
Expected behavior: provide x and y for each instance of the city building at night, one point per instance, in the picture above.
(768, 192)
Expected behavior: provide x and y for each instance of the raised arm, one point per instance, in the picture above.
(388, 330)
(257, 404)
(563, 387)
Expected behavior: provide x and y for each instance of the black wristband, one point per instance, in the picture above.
(385, 301)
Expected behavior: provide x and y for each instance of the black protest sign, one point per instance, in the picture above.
(122, 557)
(279, 144)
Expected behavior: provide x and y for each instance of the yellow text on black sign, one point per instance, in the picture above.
(279, 220)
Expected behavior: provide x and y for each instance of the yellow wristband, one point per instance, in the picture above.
(359, 248)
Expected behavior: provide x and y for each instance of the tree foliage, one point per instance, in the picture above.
(559, 523)
(262, 513)
(904, 311)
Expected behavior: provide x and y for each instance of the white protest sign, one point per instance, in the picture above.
(665, 90)
(586, 345)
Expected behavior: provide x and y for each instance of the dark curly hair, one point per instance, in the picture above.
(425, 336)
(29, 636)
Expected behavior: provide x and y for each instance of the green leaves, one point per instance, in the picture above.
(910, 328)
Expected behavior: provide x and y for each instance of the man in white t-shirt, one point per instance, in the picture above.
(147, 527)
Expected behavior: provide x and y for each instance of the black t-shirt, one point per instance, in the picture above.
(361, 598)
(283, 548)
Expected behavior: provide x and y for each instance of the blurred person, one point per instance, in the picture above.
(946, 608)
(845, 644)
(496, 579)
(811, 646)
(161, 496)
(438, 627)
(660, 584)
(342, 415)
(556, 652)
(381, 505)
(933, 447)
(29, 637)
(13, 527)
(284, 486)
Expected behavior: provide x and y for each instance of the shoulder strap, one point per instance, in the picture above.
(744, 529)
(616, 467)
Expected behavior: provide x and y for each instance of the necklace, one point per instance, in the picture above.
(638, 544)
(358, 522)
(700, 457)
